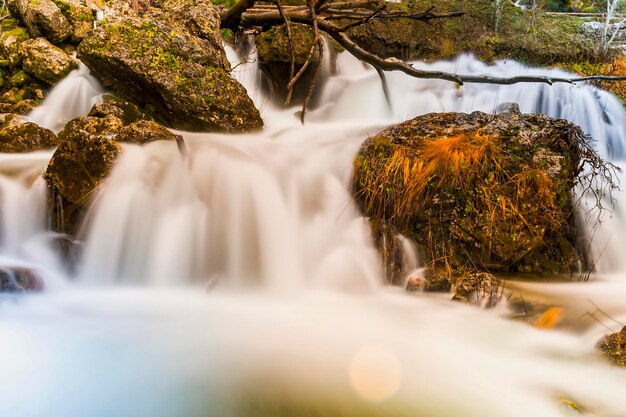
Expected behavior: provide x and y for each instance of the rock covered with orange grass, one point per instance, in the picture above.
(478, 191)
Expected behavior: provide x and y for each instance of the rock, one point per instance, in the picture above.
(508, 108)
(156, 62)
(144, 131)
(107, 126)
(26, 137)
(45, 61)
(24, 106)
(79, 16)
(124, 110)
(10, 45)
(274, 56)
(19, 79)
(20, 280)
(481, 289)
(9, 119)
(614, 347)
(477, 189)
(42, 18)
(80, 163)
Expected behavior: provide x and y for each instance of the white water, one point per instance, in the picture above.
(72, 97)
(296, 320)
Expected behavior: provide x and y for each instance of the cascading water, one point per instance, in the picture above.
(296, 321)
(74, 96)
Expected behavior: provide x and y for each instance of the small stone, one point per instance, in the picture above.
(614, 347)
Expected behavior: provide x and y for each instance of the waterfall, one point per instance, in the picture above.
(72, 97)
(243, 281)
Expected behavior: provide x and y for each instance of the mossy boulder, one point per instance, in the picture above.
(107, 126)
(10, 45)
(613, 346)
(25, 137)
(80, 163)
(45, 61)
(144, 131)
(79, 16)
(157, 63)
(42, 18)
(488, 191)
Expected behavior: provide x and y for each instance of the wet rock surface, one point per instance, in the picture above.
(16, 279)
(613, 346)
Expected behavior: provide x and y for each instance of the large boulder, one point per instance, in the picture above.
(45, 61)
(25, 137)
(158, 63)
(488, 191)
(42, 18)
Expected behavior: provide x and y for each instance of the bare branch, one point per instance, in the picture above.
(292, 69)
(320, 48)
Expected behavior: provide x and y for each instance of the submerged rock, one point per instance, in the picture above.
(20, 280)
(25, 137)
(481, 289)
(614, 347)
(45, 61)
(490, 191)
(159, 62)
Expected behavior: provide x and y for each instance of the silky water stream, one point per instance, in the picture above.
(242, 281)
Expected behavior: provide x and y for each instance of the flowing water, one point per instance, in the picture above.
(242, 281)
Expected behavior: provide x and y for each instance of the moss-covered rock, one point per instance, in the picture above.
(124, 110)
(42, 18)
(10, 45)
(613, 346)
(45, 61)
(156, 62)
(550, 40)
(79, 16)
(144, 131)
(80, 163)
(492, 192)
(26, 137)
